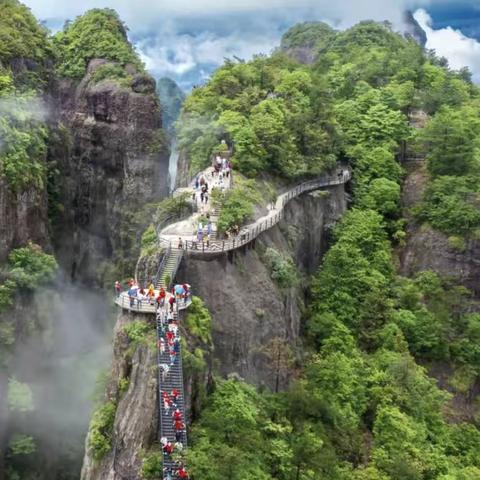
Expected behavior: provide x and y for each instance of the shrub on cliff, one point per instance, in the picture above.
(100, 431)
(99, 33)
(22, 38)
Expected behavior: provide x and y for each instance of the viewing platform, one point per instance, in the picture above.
(144, 306)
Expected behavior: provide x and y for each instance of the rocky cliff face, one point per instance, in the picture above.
(428, 249)
(23, 217)
(247, 307)
(248, 311)
(136, 418)
(116, 162)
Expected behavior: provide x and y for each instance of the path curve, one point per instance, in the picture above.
(251, 231)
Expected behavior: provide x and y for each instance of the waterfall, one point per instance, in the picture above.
(173, 163)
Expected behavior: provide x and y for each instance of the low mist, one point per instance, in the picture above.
(61, 365)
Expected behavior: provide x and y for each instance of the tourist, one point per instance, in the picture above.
(182, 473)
(168, 449)
(205, 198)
(177, 415)
(173, 356)
(164, 368)
(176, 346)
(140, 299)
(171, 301)
(118, 288)
(167, 402)
(202, 196)
(175, 394)
(161, 295)
(197, 183)
(161, 345)
(178, 446)
(167, 474)
(180, 243)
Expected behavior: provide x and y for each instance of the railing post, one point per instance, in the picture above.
(234, 243)
(223, 245)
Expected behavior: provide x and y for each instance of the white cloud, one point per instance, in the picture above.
(175, 53)
(458, 49)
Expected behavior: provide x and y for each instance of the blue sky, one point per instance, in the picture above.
(187, 39)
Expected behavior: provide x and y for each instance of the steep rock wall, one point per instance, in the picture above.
(116, 162)
(248, 310)
(136, 418)
(247, 307)
(429, 249)
(23, 217)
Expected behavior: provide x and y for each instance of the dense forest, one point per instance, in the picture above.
(362, 405)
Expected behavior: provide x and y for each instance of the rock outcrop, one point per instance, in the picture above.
(247, 307)
(116, 162)
(429, 249)
(23, 217)
(136, 417)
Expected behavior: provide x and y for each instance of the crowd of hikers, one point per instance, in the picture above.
(139, 295)
(169, 343)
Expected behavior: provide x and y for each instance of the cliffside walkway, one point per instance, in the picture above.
(249, 232)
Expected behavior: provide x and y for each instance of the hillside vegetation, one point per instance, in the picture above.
(362, 408)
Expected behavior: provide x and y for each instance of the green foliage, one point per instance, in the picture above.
(273, 117)
(198, 321)
(123, 385)
(452, 140)
(171, 208)
(30, 266)
(149, 240)
(109, 71)
(138, 332)
(362, 408)
(308, 34)
(237, 203)
(23, 134)
(152, 466)
(22, 445)
(101, 429)
(282, 269)
(19, 396)
(99, 33)
(451, 205)
(22, 37)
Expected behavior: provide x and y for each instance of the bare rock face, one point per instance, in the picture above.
(115, 163)
(429, 249)
(23, 217)
(136, 418)
(248, 308)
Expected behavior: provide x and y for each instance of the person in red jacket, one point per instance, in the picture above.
(182, 473)
(171, 301)
(161, 295)
(177, 415)
(175, 394)
(168, 448)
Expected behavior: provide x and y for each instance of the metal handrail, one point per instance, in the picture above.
(250, 232)
(162, 264)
